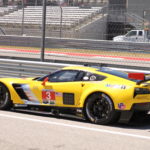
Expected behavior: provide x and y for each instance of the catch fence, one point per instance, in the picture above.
(99, 20)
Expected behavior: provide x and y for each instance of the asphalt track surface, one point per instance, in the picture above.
(24, 131)
(82, 55)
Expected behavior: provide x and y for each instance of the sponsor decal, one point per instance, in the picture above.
(48, 97)
(79, 110)
(30, 94)
(116, 86)
(92, 78)
(121, 106)
(58, 94)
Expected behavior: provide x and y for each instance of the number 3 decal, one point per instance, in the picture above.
(48, 96)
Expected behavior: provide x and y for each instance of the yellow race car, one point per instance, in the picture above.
(99, 94)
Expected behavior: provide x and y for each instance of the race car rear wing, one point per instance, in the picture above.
(139, 76)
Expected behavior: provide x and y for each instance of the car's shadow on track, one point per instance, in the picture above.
(50, 115)
(141, 123)
(135, 123)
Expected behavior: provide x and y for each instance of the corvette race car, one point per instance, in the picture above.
(98, 94)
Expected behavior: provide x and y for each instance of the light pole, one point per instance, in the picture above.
(144, 14)
(61, 12)
(22, 29)
(43, 30)
(36, 2)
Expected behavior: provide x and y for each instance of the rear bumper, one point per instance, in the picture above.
(126, 115)
(141, 106)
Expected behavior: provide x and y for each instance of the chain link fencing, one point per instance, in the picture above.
(79, 19)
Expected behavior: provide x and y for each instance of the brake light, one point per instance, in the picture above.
(136, 76)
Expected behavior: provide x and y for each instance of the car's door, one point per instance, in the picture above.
(62, 88)
(140, 37)
(131, 36)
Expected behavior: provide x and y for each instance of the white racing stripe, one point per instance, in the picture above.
(55, 54)
(118, 58)
(77, 127)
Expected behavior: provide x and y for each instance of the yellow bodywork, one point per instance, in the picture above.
(121, 91)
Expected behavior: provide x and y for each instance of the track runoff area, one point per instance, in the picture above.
(44, 132)
(39, 131)
(18, 51)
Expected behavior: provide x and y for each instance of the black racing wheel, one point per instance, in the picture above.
(99, 109)
(5, 102)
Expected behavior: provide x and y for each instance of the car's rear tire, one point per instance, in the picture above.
(99, 109)
(5, 102)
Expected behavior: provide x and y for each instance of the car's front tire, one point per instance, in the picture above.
(5, 102)
(99, 109)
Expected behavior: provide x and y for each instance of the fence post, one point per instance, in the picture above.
(22, 27)
(61, 11)
(43, 30)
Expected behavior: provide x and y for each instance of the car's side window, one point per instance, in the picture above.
(80, 76)
(140, 33)
(64, 76)
(93, 77)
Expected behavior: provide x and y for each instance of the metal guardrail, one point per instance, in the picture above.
(18, 68)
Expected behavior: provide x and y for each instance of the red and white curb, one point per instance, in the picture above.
(56, 53)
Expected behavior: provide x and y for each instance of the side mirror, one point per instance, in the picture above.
(44, 81)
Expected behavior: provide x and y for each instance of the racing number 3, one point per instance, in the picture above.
(48, 95)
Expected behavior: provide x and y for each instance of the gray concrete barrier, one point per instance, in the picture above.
(74, 43)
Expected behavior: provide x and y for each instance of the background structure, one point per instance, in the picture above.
(74, 18)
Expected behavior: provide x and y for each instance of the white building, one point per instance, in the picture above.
(39, 2)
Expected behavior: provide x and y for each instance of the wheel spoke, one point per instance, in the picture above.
(100, 108)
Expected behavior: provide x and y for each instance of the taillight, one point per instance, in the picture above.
(136, 76)
(141, 91)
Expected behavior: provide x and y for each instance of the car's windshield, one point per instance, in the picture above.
(131, 33)
(116, 73)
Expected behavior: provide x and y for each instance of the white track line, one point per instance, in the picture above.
(109, 57)
(77, 127)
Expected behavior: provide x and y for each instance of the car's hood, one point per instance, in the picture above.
(118, 38)
(15, 80)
